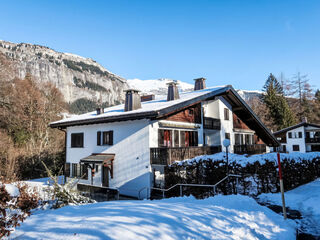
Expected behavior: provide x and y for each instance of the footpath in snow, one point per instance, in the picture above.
(220, 217)
(305, 199)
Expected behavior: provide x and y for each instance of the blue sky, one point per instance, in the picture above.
(228, 42)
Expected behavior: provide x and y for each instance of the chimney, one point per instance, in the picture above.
(173, 92)
(133, 100)
(200, 83)
(100, 111)
(305, 119)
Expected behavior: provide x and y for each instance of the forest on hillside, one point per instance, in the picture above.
(26, 141)
(286, 102)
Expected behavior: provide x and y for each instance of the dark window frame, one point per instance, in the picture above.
(296, 148)
(300, 134)
(227, 136)
(289, 134)
(77, 142)
(226, 114)
(107, 138)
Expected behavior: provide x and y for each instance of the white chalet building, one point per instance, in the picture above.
(127, 146)
(302, 137)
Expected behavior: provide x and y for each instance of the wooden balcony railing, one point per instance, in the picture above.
(312, 140)
(211, 123)
(167, 156)
(249, 149)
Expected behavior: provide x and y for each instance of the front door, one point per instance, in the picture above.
(105, 176)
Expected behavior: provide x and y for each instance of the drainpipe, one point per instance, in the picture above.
(65, 154)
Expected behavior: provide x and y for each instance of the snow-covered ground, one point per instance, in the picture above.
(243, 159)
(220, 217)
(305, 199)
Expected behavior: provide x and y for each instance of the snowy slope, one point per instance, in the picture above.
(221, 217)
(159, 87)
(305, 199)
(156, 86)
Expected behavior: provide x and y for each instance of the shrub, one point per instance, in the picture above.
(14, 209)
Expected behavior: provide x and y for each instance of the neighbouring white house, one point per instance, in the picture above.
(127, 146)
(302, 137)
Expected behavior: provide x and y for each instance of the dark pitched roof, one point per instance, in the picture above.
(302, 124)
(157, 109)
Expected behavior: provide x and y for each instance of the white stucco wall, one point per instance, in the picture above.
(131, 166)
(296, 141)
(215, 109)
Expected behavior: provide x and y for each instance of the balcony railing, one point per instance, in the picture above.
(250, 149)
(312, 140)
(211, 123)
(167, 156)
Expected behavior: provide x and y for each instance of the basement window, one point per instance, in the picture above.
(295, 148)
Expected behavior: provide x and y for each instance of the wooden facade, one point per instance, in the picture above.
(191, 115)
(167, 156)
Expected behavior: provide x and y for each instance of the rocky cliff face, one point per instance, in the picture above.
(75, 76)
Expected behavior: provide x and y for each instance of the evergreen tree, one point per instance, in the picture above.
(279, 110)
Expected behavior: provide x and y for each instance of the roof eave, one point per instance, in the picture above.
(127, 117)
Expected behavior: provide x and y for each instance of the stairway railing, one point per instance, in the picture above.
(163, 190)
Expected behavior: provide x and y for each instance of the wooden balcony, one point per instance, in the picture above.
(211, 123)
(250, 149)
(312, 140)
(167, 156)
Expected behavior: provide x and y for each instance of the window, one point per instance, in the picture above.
(237, 139)
(227, 136)
(182, 138)
(76, 140)
(176, 138)
(75, 170)
(300, 134)
(107, 138)
(67, 169)
(164, 138)
(190, 112)
(290, 134)
(84, 171)
(99, 138)
(226, 114)
(295, 148)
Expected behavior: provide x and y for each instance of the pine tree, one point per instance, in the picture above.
(279, 110)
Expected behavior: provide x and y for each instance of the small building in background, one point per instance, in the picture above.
(303, 137)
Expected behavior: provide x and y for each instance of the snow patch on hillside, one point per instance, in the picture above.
(157, 86)
(220, 217)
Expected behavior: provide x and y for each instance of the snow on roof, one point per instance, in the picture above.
(146, 107)
(297, 126)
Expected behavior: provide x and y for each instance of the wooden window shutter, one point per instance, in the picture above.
(111, 138)
(67, 169)
(99, 138)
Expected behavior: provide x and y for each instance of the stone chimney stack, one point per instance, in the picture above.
(100, 110)
(173, 92)
(133, 100)
(200, 83)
